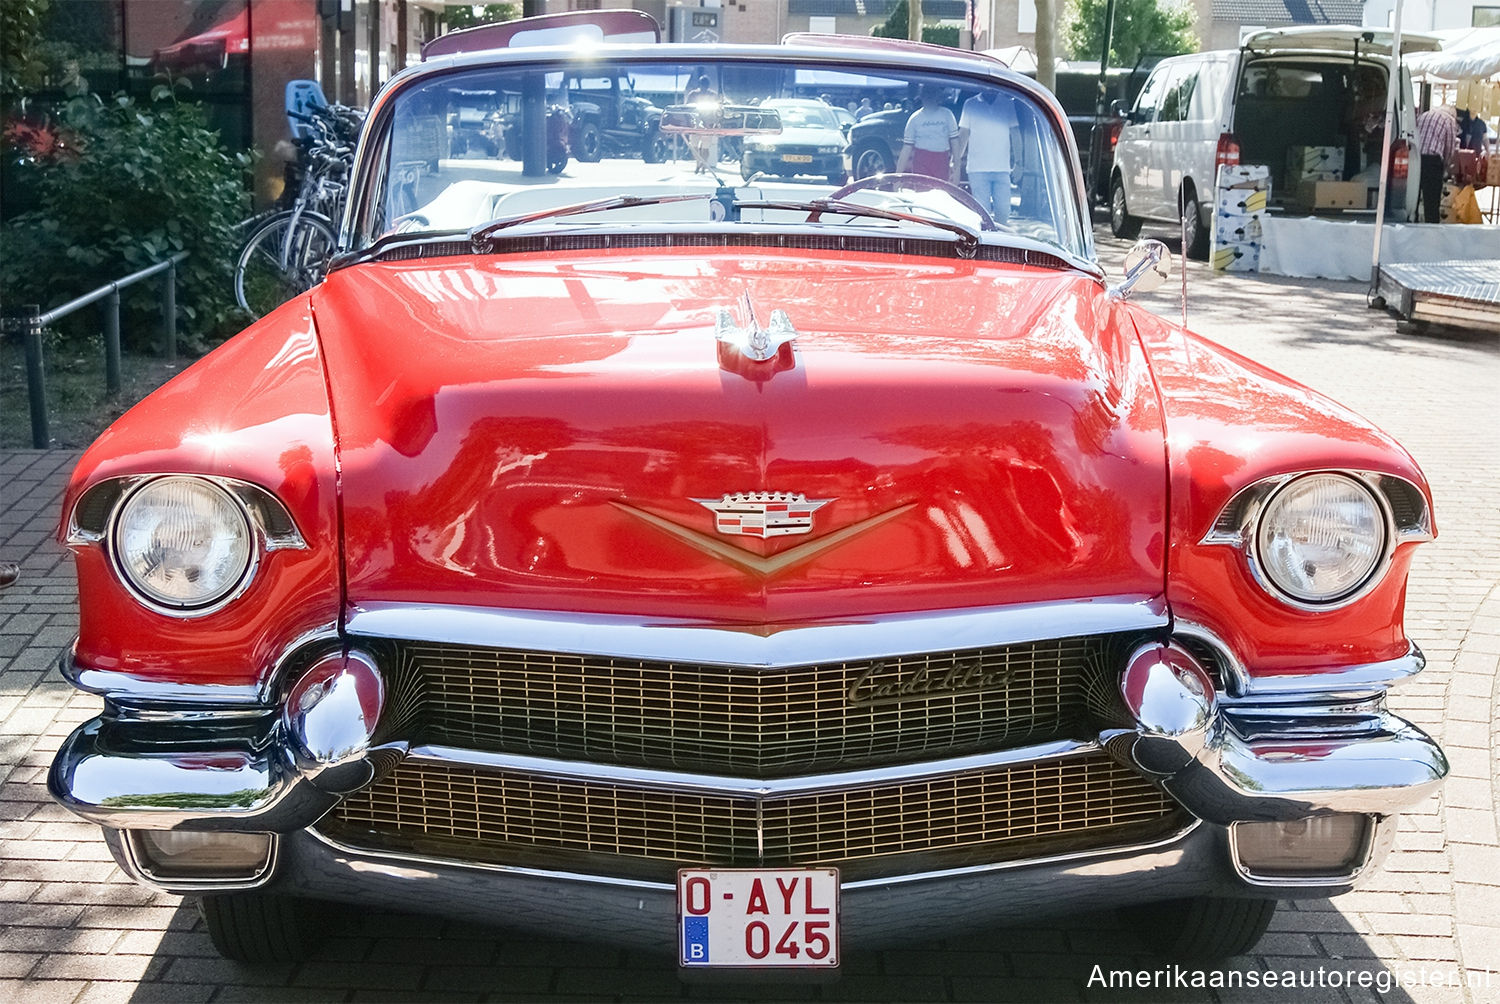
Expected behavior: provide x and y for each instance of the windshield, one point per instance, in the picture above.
(513, 142)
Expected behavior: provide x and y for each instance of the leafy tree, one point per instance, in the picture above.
(465, 15)
(136, 182)
(20, 31)
(1141, 26)
(898, 25)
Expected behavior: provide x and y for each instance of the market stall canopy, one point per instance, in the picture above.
(1474, 54)
(1338, 38)
(209, 48)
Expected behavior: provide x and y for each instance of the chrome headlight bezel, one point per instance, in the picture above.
(1401, 507)
(1378, 546)
(235, 520)
(94, 521)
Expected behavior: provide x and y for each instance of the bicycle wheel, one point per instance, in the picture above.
(280, 260)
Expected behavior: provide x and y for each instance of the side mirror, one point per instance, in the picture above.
(1147, 266)
(1119, 109)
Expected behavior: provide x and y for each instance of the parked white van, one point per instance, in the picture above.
(1307, 86)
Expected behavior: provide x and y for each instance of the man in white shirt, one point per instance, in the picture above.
(984, 136)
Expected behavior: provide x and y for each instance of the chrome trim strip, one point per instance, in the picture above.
(1344, 684)
(646, 884)
(250, 496)
(184, 701)
(753, 645)
(488, 866)
(748, 788)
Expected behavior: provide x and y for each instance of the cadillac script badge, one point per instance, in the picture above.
(763, 514)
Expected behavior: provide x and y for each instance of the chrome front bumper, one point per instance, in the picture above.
(1285, 749)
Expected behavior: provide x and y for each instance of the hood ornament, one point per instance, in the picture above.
(751, 341)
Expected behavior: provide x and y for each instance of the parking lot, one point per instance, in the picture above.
(72, 928)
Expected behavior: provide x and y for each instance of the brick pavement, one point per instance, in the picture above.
(73, 929)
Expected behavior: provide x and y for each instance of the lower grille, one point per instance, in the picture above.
(755, 722)
(1003, 813)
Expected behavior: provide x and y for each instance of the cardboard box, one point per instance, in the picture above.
(1492, 169)
(1243, 176)
(1305, 163)
(1241, 200)
(1236, 228)
(1333, 195)
(1243, 256)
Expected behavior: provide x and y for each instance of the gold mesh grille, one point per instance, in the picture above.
(747, 721)
(999, 814)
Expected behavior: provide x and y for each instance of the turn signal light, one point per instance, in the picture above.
(185, 854)
(1332, 846)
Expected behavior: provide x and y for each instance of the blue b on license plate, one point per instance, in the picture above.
(751, 918)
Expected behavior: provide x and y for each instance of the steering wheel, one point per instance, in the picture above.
(911, 183)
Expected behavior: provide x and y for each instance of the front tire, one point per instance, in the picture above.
(259, 927)
(1195, 234)
(588, 144)
(1204, 927)
(655, 147)
(1121, 223)
(871, 158)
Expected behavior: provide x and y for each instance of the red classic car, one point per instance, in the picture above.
(752, 570)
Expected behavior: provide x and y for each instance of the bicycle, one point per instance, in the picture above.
(286, 251)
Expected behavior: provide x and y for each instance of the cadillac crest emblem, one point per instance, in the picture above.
(763, 514)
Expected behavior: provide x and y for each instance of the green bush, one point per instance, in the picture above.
(147, 181)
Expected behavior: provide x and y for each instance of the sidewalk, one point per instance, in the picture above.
(73, 929)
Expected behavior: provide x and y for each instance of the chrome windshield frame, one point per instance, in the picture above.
(369, 156)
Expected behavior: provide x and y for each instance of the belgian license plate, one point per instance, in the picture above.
(751, 918)
(797, 158)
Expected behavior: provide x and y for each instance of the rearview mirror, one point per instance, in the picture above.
(1147, 266)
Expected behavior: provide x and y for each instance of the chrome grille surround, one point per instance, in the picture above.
(754, 721)
(1031, 803)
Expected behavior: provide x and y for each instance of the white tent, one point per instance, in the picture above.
(1473, 54)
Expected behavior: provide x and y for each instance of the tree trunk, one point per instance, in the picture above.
(914, 20)
(1046, 42)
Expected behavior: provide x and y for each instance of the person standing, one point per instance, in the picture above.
(984, 136)
(930, 143)
(1437, 138)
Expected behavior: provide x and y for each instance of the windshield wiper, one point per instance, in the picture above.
(481, 234)
(968, 238)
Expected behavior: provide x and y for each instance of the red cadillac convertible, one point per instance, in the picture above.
(753, 569)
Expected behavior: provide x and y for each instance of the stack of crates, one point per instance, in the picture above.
(1239, 208)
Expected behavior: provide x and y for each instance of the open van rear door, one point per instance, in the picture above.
(1337, 38)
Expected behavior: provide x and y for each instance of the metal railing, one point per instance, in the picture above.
(29, 321)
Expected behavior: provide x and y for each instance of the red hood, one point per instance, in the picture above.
(536, 433)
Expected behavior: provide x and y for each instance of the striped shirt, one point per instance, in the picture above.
(1437, 132)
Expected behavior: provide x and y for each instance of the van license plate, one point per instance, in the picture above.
(752, 918)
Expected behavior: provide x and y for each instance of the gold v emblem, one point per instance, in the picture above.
(767, 566)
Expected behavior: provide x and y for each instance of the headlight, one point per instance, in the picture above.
(1320, 538)
(183, 542)
(830, 149)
